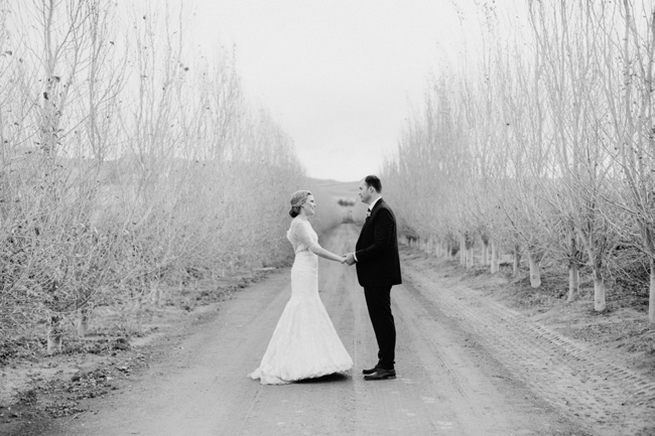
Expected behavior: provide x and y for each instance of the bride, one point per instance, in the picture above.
(304, 343)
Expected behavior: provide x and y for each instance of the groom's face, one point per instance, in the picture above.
(365, 192)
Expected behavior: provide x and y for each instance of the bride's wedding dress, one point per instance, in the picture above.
(304, 344)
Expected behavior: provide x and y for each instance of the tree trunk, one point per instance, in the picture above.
(83, 322)
(55, 335)
(651, 298)
(494, 258)
(517, 261)
(155, 294)
(462, 250)
(485, 253)
(574, 281)
(599, 290)
(470, 254)
(535, 273)
(575, 257)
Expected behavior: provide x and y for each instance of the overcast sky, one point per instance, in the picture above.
(339, 76)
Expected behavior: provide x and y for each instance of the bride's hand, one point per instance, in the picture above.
(343, 260)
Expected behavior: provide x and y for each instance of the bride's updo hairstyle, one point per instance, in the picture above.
(297, 200)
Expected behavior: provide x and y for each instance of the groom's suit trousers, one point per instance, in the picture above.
(378, 302)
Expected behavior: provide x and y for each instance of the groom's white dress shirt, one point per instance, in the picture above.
(368, 213)
(370, 206)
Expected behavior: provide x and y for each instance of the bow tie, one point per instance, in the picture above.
(368, 213)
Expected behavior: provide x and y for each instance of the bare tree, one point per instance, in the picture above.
(566, 35)
(123, 196)
(630, 37)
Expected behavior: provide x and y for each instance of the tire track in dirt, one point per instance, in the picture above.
(443, 386)
(481, 395)
(606, 398)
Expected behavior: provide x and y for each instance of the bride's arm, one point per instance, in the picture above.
(303, 233)
(320, 251)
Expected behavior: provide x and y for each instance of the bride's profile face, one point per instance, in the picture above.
(309, 206)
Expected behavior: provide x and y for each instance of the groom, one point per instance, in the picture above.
(378, 269)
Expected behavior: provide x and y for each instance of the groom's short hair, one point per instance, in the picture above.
(374, 181)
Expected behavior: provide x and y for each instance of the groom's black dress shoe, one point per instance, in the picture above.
(381, 374)
(371, 370)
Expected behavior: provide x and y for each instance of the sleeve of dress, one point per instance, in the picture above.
(304, 236)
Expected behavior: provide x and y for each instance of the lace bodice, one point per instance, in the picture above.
(301, 235)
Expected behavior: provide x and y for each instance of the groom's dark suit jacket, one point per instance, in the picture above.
(378, 263)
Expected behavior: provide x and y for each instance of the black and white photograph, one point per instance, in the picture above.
(327, 217)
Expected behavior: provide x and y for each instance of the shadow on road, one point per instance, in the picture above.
(330, 378)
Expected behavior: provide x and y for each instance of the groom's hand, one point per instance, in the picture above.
(350, 258)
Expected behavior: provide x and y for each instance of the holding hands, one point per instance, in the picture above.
(344, 259)
(349, 259)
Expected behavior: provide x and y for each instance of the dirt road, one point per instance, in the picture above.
(453, 378)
